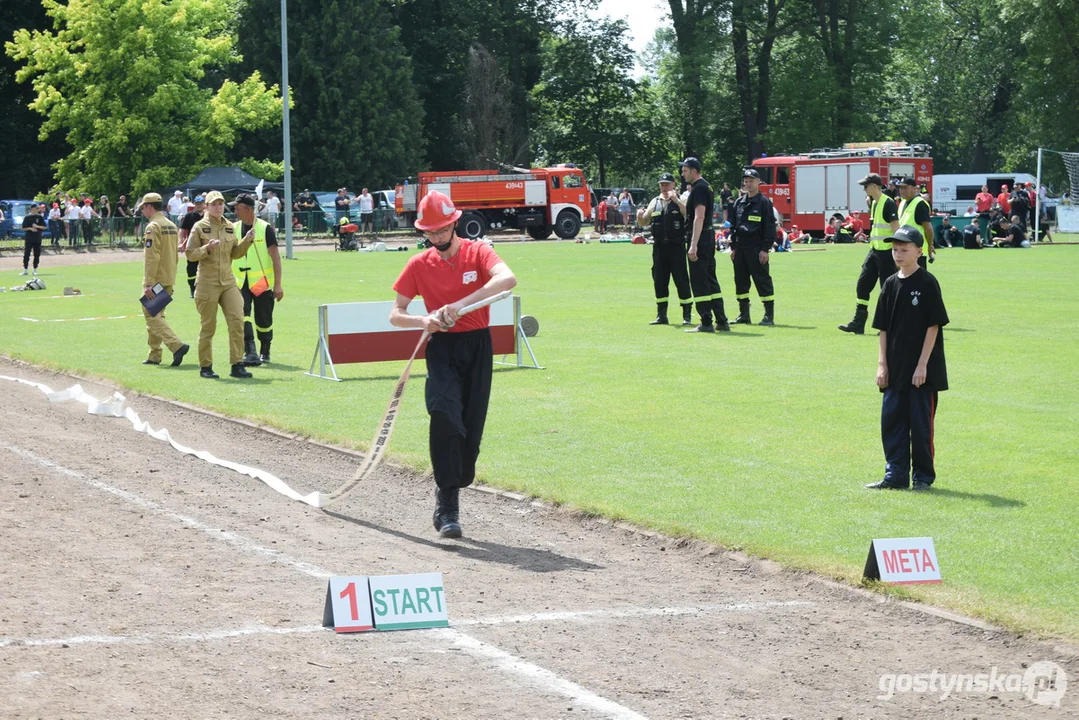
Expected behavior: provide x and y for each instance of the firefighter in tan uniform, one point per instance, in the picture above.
(214, 245)
(159, 253)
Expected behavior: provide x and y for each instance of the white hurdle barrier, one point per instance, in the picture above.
(361, 332)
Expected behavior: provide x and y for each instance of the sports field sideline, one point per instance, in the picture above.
(759, 440)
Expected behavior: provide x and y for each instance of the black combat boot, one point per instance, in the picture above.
(264, 351)
(687, 314)
(857, 325)
(251, 358)
(743, 313)
(238, 371)
(769, 313)
(721, 316)
(661, 314)
(446, 517)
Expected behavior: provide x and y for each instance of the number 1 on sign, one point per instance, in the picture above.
(350, 593)
(348, 604)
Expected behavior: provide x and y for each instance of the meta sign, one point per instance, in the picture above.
(388, 602)
(903, 561)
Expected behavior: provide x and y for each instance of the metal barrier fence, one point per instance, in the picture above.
(126, 232)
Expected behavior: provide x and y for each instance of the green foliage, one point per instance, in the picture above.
(356, 118)
(266, 169)
(760, 438)
(29, 162)
(124, 81)
(592, 112)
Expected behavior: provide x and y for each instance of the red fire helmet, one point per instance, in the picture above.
(436, 212)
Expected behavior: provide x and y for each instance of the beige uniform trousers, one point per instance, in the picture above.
(158, 332)
(232, 304)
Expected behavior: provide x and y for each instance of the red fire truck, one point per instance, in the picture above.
(540, 201)
(809, 189)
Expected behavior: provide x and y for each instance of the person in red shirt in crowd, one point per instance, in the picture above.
(797, 236)
(830, 230)
(601, 217)
(1033, 205)
(853, 224)
(1004, 200)
(983, 203)
(453, 273)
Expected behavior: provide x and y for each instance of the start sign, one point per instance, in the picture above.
(902, 561)
(405, 602)
(388, 602)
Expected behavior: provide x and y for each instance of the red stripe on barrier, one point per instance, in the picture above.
(398, 345)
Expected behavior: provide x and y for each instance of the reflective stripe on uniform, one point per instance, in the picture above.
(768, 298)
(743, 296)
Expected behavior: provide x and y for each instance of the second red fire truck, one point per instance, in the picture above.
(809, 189)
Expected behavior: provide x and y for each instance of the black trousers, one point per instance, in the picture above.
(702, 278)
(669, 260)
(192, 273)
(88, 231)
(906, 430)
(879, 265)
(56, 230)
(747, 265)
(459, 370)
(262, 317)
(31, 246)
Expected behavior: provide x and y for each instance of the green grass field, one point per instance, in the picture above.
(760, 439)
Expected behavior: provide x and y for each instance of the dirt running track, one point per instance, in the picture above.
(137, 583)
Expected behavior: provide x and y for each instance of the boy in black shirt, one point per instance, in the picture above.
(911, 369)
(33, 225)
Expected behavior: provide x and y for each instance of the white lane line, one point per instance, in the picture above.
(539, 677)
(239, 541)
(534, 675)
(584, 617)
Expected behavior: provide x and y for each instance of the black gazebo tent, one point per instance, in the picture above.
(227, 180)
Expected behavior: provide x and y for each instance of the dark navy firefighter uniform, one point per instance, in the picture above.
(669, 256)
(753, 230)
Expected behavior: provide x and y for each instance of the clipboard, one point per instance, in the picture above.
(161, 299)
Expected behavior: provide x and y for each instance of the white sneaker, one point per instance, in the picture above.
(35, 272)
(23, 272)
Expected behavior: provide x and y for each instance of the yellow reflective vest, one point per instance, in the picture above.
(880, 228)
(256, 262)
(907, 211)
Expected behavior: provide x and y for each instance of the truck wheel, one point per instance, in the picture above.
(567, 225)
(471, 225)
(541, 232)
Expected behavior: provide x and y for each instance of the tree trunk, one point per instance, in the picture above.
(690, 31)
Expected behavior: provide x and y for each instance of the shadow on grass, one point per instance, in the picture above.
(951, 329)
(988, 499)
(540, 561)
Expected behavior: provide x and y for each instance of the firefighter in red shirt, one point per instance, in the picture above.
(453, 273)
(1005, 200)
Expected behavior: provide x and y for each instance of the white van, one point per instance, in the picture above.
(955, 193)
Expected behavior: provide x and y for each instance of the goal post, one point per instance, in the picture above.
(1066, 212)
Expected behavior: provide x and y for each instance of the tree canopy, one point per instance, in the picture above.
(127, 84)
(128, 94)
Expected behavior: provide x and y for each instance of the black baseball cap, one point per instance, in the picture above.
(908, 181)
(908, 234)
(243, 199)
(691, 162)
(666, 177)
(750, 172)
(872, 179)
